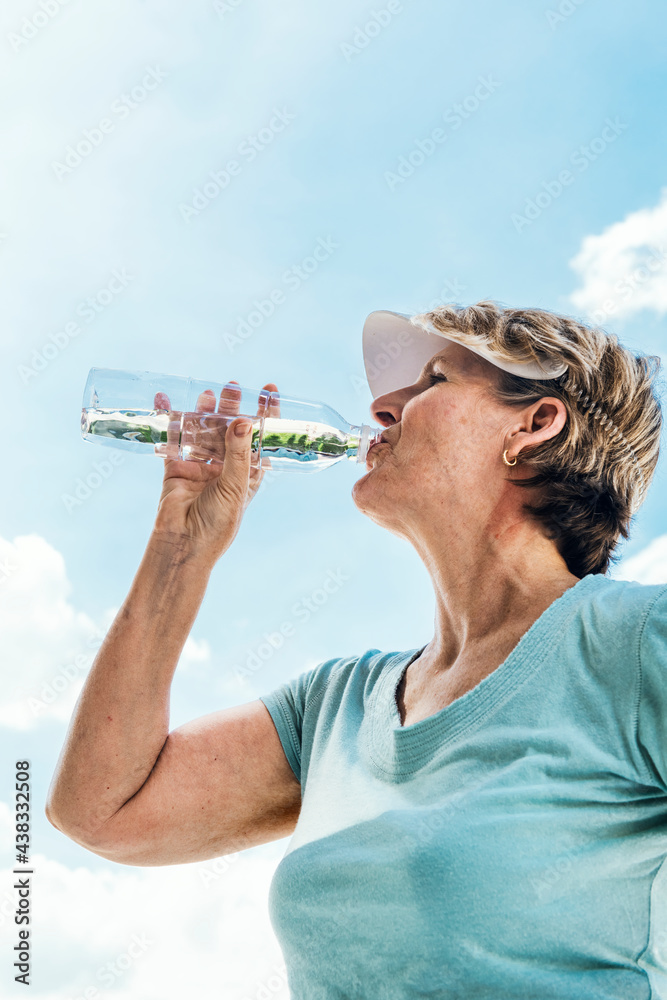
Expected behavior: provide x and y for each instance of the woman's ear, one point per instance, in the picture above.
(549, 418)
(542, 421)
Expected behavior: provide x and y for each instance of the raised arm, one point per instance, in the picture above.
(124, 786)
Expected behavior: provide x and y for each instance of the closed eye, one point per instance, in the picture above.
(433, 377)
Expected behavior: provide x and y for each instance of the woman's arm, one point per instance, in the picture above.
(121, 720)
(124, 786)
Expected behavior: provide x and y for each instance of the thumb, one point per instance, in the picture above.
(236, 463)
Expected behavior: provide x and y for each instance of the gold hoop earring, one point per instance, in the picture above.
(511, 464)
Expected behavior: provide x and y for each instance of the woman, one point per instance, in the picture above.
(482, 817)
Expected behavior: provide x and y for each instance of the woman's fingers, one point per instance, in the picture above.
(274, 402)
(230, 399)
(206, 402)
(205, 439)
(169, 449)
(266, 406)
(269, 408)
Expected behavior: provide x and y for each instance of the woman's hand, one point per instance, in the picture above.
(202, 504)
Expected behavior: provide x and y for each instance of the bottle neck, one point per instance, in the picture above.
(360, 440)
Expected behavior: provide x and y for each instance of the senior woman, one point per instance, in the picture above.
(483, 817)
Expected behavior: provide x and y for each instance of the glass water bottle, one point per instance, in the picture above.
(155, 414)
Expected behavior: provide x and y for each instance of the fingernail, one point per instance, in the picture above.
(242, 428)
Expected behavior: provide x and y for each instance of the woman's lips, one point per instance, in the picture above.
(373, 447)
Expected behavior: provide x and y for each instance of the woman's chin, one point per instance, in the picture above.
(363, 487)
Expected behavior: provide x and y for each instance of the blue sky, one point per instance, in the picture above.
(335, 108)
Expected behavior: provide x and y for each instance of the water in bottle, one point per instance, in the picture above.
(119, 410)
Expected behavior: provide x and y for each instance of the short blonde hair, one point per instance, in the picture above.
(595, 472)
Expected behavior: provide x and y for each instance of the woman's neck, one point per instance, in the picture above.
(488, 593)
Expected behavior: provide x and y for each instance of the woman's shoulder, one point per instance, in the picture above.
(622, 603)
(616, 620)
(359, 670)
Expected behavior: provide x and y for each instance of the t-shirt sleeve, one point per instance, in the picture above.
(652, 714)
(288, 705)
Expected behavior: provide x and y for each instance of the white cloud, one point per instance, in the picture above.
(624, 269)
(48, 645)
(649, 566)
(186, 935)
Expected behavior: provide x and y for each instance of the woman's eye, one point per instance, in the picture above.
(434, 377)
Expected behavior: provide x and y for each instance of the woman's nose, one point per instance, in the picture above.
(387, 409)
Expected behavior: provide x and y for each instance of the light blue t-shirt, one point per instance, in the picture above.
(513, 845)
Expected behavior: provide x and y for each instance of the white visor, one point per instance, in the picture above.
(396, 349)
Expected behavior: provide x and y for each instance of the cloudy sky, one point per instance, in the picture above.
(442, 152)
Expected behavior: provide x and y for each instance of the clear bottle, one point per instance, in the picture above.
(156, 414)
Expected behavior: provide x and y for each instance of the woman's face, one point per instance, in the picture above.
(442, 458)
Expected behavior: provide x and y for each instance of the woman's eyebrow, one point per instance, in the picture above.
(428, 367)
